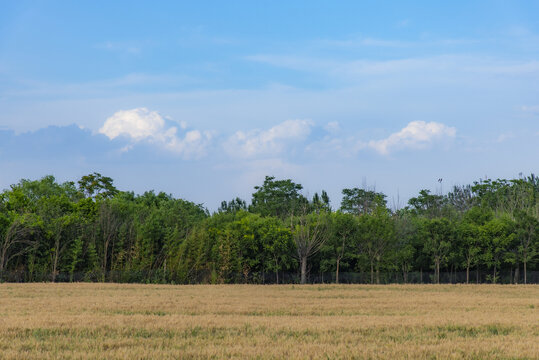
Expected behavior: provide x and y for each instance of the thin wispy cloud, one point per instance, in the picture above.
(124, 47)
(403, 23)
(534, 109)
(448, 64)
(359, 42)
(505, 136)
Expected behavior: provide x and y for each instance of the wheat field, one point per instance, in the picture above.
(107, 321)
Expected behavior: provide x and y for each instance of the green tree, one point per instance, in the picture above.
(427, 204)
(96, 185)
(60, 227)
(278, 245)
(20, 234)
(497, 235)
(406, 235)
(340, 242)
(377, 236)
(469, 236)
(279, 198)
(309, 232)
(321, 202)
(360, 201)
(438, 242)
(527, 231)
(233, 205)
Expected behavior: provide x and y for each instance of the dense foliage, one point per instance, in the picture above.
(90, 231)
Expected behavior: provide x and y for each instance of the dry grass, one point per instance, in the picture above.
(246, 321)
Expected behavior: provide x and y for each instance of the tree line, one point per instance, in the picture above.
(91, 231)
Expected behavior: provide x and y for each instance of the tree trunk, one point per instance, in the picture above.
(54, 265)
(372, 272)
(378, 272)
(337, 271)
(437, 270)
(105, 257)
(517, 274)
(303, 269)
(2, 257)
(404, 274)
(525, 275)
(56, 256)
(105, 260)
(467, 271)
(276, 271)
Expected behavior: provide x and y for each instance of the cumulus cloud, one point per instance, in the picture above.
(268, 142)
(416, 135)
(141, 124)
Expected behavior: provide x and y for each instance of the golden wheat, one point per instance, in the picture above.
(108, 321)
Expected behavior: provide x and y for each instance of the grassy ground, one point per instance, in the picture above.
(283, 321)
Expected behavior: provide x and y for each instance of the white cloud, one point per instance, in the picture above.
(268, 142)
(332, 127)
(416, 135)
(141, 124)
(137, 123)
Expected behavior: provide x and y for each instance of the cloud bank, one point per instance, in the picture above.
(142, 125)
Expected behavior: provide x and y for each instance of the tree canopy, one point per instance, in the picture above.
(484, 232)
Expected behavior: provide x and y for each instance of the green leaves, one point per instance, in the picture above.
(50, 227)
(97, 186)
(360, 201)
(279, 198)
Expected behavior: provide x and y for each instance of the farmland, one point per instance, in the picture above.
(279, 321)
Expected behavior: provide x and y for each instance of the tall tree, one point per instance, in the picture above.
(527, 230)
(427, 204)
(19, 235)
(377, 235)
(406, 236)
(438, 242)
(61, 227)
(360, 201)
(279, 198)
(233, 205)
(96, 185)
(497, 236)
(342, 237)
(309, 232)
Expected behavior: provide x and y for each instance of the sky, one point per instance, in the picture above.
(203, 99)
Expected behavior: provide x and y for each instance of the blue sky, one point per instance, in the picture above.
(202, 99)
